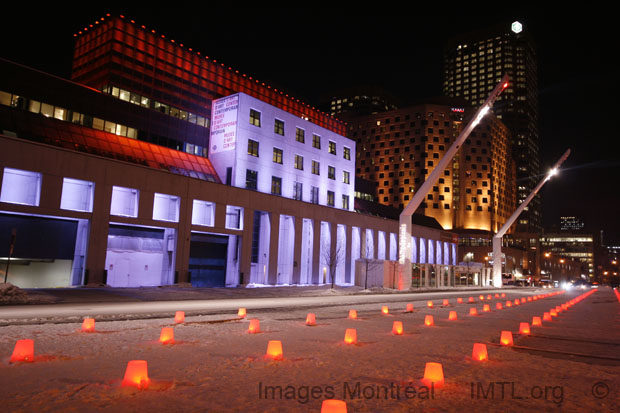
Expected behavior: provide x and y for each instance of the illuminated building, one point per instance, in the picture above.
(473, 64)
(578, 247)
(571, 223)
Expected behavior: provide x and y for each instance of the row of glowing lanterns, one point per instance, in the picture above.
(136, 373)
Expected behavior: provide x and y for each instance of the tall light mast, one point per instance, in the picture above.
(497, 238)
(405, 227)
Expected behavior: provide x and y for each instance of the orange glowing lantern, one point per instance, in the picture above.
(506, 338)
(88, 325)
(547, 317)
(136, 375)
(529, 299)
(274, 349)
(486, 308)
(517, 302)
(508, 303)
(536, 322)
(167, 335)
(496, 295)
(535, 298)
(429, 304)
(473, 311)
(489, 297)
(310, 319)
(397, 328)
(179, 317)
(254, 326)
(433, 373)
(242, 312)
(523, 300)
(481, 297)
(553, 313)
(409, 308)
(524, 329)
(428, 321)
(459, 300)
(498, 306)
(23, 351)
(333, 406)
(446, 303)
(480, 352)
(350, 336)
(471, 299)
(353, 314)
(385, 310)
(503, 295)
(452, 316)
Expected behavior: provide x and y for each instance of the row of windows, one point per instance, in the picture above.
(300, 134)
(24, 188)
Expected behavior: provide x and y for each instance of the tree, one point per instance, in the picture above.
(367, 259)
(332, 258)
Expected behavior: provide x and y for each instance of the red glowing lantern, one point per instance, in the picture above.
(523, 300)
(480, 352)
(446, 303)
(433, 374)
(409, 308)
(136, 375)
(452, 316)
(471, 299)
(23, 351)
(179, 317)
(506, 338)
(310, 319)
(459, 300)
(489, 297)
(353, 314)
(274, 349)
(242, 312)
(553, 313)
(486, 308)
(536, 322)
(254, 326)
(529, 299)
(503, 295)
(167, 335)
(397, 328)
(333, 406)
(385, 310)
(508, 303)
(547, 317)
(473, 311)
(481, 297)
(429, 304)
(350, 336)
(498, 306)
(496, 295)
(428, 320)
(524, 329)
(517, 302)
(88, 325)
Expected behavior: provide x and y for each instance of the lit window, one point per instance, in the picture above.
(316, 141)
(21, 187)
(331, 172)
(345, 202)
(332, 147)
(202, 213)
(77, 195)
(278, 127)
(300, 135)
(316, 167)
(345, 177)
(124, 202)
(252, 147)
(234, 217)
(346, 154)
(299, 162)
(330, 198)
(277, 155)
(254, 118)
(166, 207)
(276, 185)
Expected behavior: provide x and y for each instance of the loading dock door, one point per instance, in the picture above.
(207, 260)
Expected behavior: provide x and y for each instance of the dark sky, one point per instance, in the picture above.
(310, 52)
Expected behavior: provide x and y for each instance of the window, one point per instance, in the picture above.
(277, 155)
(124, 202)
(278, 127)
(345, 177)
(346, 154)
(316, 141)
(276, 185)
(202, 213)
(77, 195)
(21, 187)
(166, 207)
(345, 202)
(254, 117)
(251, 179)
(298, 190)
(316, 167)
(299, 162)
(234, 217)
(330, 198)
(314, 195)
(331, 172)
(300, 135)
(332, 147)
(252, 147)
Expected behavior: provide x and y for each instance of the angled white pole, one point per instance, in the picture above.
(404, 235)
(497, 238)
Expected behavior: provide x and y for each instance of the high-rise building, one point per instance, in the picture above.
(571, 223)
(473, 64)
(399, 149)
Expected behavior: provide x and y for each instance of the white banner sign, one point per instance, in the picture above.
(224, 124)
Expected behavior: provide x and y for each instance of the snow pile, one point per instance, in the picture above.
(10, 294)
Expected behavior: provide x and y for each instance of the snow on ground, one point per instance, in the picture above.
(215, 365)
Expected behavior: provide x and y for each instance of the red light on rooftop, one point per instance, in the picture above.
(254, 326)
(274, 349)
(136, 375)
(433, 373)
(167, 335)
(23, 351)
(397, 328)
(350, 336)
(480, 352)
(88, 325)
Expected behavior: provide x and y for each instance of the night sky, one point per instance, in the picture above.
(310, 52)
